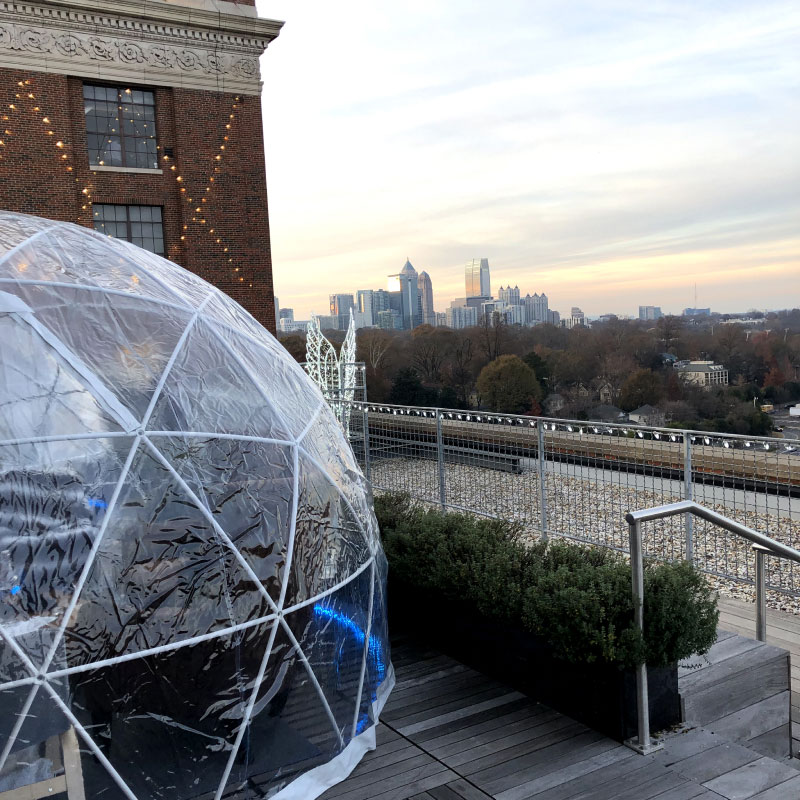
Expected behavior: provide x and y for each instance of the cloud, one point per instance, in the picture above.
(556, 139)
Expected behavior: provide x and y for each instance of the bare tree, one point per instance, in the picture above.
(373, 345)
(492, 329)
(429, 349)
(461, 357)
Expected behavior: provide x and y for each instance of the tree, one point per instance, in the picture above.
(429, 347)
(296, 345)
(373, 344)
(538, 365)
(407, 390)
(461, 374)
(448, 398)
(493, 334)
(509, 385)
(642, 387)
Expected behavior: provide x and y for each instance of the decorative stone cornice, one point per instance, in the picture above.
(138, 41)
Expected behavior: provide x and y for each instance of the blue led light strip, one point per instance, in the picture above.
(374, 649)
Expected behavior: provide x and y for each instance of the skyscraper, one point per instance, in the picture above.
(426, 297)
(340, 307)
(461, 317)
(476, 275)
(364, 304)
(536, 308)
(511, 296)
(650, 312)
(405, 295)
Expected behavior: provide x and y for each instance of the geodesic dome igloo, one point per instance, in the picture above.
(191, 582)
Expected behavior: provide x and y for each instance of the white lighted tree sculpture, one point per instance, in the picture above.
(335, 375)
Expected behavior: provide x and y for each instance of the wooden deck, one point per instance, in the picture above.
(783, 630)
(450, 733)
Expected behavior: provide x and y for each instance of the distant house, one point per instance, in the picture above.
(607, 413)
(702, 373)
(648, 415)
(553, 403)
(605, 392)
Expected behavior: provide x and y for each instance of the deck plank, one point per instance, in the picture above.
(450, 733)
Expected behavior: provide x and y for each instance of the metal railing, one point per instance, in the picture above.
(762, 545)
(577, 479)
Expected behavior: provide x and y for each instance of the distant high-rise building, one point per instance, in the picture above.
(425, 288)
(328, 322)
(511, 296)
(380, 302)
(389, 320)
(476, 275)
(365, 306)
(340, 306)
(286, 313)
(277, 309)
(471, 302)
(515, 314)
(286, 325)
(441, 319)
(650, 312)
(536, 309)
(576, 319)
(405, 295)
(461, 317)
(553, 317)
(696, 312)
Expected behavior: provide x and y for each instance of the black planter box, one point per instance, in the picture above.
(599, 695)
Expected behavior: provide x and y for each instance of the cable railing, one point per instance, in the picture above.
(577, 479)
(761, 544)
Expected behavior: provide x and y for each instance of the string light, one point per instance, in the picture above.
(86, 190)
(199, 209)
(59, 144)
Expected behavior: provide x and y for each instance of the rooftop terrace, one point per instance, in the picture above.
(450, 733)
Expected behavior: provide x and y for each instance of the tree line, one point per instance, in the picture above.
(624, 363)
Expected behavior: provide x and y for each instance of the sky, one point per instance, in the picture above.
(610, 154)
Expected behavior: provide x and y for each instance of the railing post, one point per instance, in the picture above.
(542, 481)
(688, 519)
(440, 459)
(365, 431)
(643, 744)
(761, 592)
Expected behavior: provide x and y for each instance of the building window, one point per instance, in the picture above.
(141, 225)
(120, 126)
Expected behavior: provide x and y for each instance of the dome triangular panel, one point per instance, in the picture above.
(187, 546)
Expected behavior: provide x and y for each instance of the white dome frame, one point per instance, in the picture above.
(309, 784)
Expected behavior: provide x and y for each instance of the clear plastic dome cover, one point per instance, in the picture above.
(192, 589)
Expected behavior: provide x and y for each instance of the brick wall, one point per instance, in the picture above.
(37, 179)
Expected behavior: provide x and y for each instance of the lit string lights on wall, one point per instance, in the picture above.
(26, 100)
(199, 205)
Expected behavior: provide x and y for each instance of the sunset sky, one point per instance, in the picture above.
(608, 153)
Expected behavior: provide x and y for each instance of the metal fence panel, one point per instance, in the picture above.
(578, 479)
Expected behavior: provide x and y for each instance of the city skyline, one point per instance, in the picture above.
(613, 153)
(442, 303)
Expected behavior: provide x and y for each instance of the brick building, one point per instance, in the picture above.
(142, 119)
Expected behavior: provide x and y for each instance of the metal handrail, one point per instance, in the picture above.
(762, 545)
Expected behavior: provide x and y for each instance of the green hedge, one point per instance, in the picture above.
(576, 599)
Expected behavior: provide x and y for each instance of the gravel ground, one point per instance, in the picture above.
(594, 511)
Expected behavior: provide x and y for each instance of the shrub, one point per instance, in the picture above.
(577, 599)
